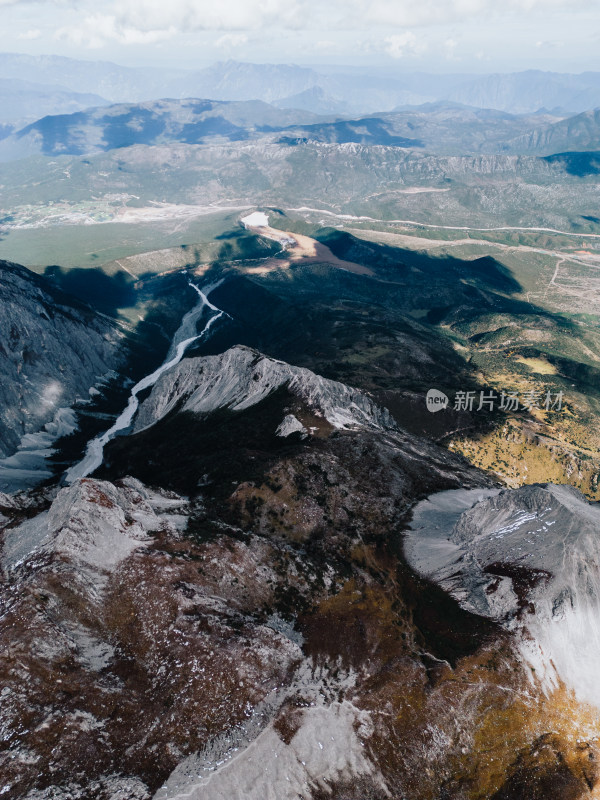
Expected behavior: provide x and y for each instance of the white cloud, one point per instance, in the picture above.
(95, 30)
(232, 15)
(30, 35)
(289, 30)
(327, 45)
(546, 45)
(149, 21)
(143, 21)
(450, 46)
(231, 41)
(404, 44)
(407, 13)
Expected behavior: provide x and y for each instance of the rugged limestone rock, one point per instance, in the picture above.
(290, 425)
(528, 558)
(107, 629)
(52, 349)
(92, 524)
(242, 377)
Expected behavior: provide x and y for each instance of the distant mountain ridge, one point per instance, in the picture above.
(157, 122)
(577, 133)
(23, 101)
(524, 92)
(442, 128)
(115, 82)
(315, 99)
(320, 90)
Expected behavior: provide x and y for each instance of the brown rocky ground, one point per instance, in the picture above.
(285, 590)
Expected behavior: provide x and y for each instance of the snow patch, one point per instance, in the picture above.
(29, 466)
(255, 220)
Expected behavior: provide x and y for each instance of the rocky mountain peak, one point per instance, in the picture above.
(242, 377)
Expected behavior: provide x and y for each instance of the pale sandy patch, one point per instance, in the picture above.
(302, 249)
(157, 212)
(419, 190)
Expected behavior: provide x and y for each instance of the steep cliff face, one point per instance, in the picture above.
(52, 349)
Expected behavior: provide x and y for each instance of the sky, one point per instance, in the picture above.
(394, 35)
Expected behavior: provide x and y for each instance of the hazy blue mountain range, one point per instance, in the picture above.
(441, 128)
(292, 86)
(113, 81)
(23, 101)
(523, 92)
(315, 99)
(322, 90)
(155, 122)
(232, 80)
(284, 85)
(517, 93)
(579, 133)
